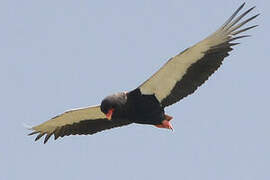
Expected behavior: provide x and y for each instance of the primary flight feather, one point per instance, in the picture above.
(178, 78)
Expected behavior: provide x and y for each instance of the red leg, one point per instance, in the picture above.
(166, 123)
(167, 117)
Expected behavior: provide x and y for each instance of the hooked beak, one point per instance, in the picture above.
(109, 114)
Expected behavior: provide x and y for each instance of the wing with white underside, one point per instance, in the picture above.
(87, 120)
(184, 73)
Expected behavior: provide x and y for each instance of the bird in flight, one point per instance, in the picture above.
(176, 79)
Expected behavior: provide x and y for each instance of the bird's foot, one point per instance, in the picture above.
(168, 118)
(166, 123)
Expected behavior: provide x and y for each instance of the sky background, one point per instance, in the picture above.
(59, 55)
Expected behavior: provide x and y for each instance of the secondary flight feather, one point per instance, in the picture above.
(179, 77)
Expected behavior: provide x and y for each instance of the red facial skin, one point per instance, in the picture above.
(109, 114)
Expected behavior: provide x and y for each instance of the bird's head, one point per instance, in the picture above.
(113, 106)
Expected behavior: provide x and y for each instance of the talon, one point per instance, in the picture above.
(167, 124)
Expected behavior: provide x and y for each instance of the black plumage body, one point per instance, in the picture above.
(134, 106)
(144, 109)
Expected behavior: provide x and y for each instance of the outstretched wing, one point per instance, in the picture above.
(184, 73)
(88, 120)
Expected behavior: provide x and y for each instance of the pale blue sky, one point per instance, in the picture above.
(59, 55)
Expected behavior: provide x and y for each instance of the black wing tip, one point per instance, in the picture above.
(243, 4)
(39, 136)
(251, 27)
(256, 25)
(247, 11)
(234, 44)
(250, 9)
(32, 133)
(239, 37)
(253, 7)
(253, 17)
(241, 7)
(257, 15)
(47, 137)
(229, 20)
